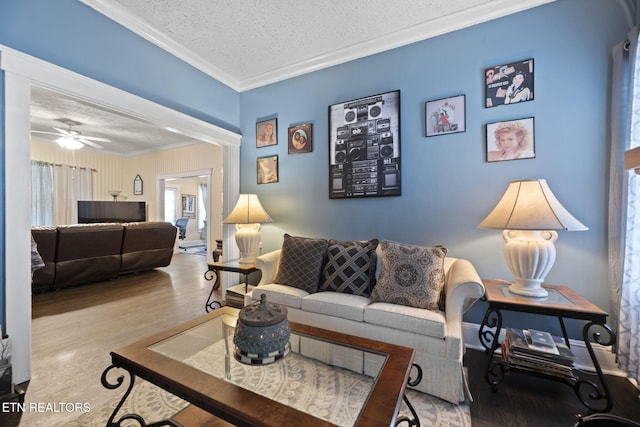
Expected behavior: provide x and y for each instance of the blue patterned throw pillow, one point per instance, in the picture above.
(301, 262)
(350, 267)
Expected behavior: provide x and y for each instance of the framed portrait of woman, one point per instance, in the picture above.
(267, 133)
(509, 83)
(511, 140)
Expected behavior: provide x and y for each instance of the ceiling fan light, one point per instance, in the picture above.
(69, 143)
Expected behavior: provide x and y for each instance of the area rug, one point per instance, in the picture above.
(154, 404)
(330, 394)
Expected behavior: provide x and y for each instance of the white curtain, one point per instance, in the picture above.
(203, 203)
(70, 184)
(41, 194)
(624, 207)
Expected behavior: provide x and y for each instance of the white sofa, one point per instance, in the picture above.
(435, 335)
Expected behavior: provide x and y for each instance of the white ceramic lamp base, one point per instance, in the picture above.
(529, 255)
(248, 241)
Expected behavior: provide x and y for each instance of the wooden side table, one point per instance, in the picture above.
(230, 266)
(562, 303)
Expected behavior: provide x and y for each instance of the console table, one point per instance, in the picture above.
(562, 303)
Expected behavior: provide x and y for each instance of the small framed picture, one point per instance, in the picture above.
(267, 169)
(137, 186)
(267, 133)
(300, 139)
(509, 84)
(511, 140)
(189, 205)
(445, 116)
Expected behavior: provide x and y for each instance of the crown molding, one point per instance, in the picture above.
(486, 12)
(117, 13)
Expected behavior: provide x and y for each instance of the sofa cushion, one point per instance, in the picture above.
(280, 294)
(301, 262)
(410, 319)
(350, 267)
(410, 275)
(336, 304)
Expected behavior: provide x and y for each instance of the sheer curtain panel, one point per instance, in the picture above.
(41, 194)
(624, 206)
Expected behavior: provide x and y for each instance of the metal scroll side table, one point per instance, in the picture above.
(562, 303)
(230, 266)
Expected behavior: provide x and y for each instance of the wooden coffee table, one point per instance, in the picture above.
(173, 360)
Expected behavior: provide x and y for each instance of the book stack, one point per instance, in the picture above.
(538, 351)
(234, 296)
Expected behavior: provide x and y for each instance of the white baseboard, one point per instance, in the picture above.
(606, 358)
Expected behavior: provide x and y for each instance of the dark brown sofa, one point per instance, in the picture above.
(147, 245)
(87, 253)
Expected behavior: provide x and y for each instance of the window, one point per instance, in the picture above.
(170, 204)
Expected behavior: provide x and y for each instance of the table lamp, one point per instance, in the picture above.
(529, 214)
(247, 216)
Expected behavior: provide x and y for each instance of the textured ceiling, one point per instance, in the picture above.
(247, 38)
(128, 136)
(250, 43)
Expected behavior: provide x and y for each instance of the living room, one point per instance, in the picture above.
(448, 186)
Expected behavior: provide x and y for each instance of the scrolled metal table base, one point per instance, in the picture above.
(127, 418)
(415, 421)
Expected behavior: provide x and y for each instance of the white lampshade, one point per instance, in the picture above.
(529, 214)
(247, 215)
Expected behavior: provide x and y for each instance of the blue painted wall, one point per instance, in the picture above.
(448, 187)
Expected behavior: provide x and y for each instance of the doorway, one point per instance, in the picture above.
(193, 197)
(20, 72)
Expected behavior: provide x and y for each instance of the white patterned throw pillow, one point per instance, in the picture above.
(410, 275)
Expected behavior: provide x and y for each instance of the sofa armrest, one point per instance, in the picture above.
(463, 284)
(268, 265)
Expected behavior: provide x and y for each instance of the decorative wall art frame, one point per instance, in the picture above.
(364, 147)
(267, 133)
(509, 84)
(189, 205)
(300, 139)
(137, 186)
(511, 140)
(445, 116)
(267, 169)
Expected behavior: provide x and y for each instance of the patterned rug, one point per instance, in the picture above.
(330, 394)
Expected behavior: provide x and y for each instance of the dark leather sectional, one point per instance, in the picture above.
(84, 253)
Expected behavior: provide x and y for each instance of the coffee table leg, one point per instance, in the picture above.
(128, 417)
(415, 421)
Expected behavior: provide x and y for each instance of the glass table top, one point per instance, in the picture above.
(326, 379)
(554, 297)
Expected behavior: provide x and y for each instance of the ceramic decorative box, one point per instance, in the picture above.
(262, 333)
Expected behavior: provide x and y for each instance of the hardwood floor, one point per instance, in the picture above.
(75, 329)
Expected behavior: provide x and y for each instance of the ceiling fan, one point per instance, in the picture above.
(73, 139)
